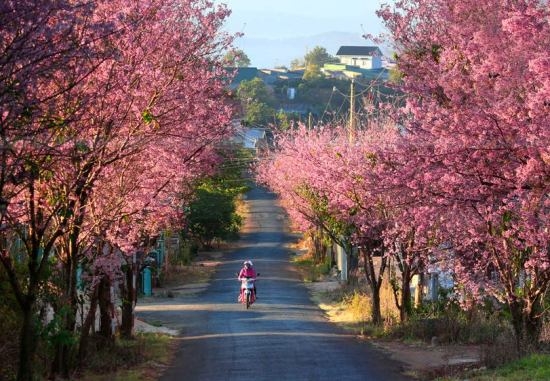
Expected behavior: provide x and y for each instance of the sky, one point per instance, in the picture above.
(276, 31)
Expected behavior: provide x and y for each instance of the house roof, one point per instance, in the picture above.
(246, 73)
(358, 51)
(242, 74)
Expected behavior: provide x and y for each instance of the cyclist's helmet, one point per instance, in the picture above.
(247, 263)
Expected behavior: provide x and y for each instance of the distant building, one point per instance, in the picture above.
(241, 74)
(270, 76)
(343, 71)
(249, 137)
(291, 93)
(365, 57)
(295, 74)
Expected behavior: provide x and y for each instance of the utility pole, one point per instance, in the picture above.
(351, 126)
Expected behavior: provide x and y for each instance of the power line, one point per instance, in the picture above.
(328, 102)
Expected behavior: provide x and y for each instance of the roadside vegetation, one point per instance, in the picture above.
(114, 149)
(106, 125)
(434, 201)
(212, 212)
(535, 367)
(141, 359)
(143, 356)
(440, 324)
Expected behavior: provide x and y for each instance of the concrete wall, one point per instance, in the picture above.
(362, 62)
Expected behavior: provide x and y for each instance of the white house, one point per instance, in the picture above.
(365, 57)
(249, 137)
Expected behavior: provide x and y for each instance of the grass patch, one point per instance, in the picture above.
(358, 307)
(306, 266)
(155, 323)
(535, 367)
(185, 274)
(139, 359)
(311, 271)
(303, 260)
(128, 375)
(347, 307)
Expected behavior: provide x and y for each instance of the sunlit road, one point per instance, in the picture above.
(284, 336)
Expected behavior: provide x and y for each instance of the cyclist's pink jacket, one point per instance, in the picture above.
(250, 273)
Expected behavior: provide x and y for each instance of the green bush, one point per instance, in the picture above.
(109, 357)
(324, 267)
(9, 329)
(446, 320)
(359, 305)
(185, 252)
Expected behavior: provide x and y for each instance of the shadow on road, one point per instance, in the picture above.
(283, 336)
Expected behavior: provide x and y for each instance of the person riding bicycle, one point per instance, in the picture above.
(248, 272)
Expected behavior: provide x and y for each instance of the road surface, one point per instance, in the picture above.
(283, 336)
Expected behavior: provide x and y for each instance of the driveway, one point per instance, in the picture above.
(283, 336)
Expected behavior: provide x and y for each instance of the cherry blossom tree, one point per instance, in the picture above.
(166, 108)
(477, 116)
(340, 186)
(467, 178)
(85, 86)
(48, 49)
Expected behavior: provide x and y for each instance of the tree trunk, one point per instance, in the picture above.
(527, 323)
(374, 281)
(87, 325)
(105, 309)
(376, 314)
(61, 361)
(533, 326)
(419, 291)
(27, 342)
(348, 250)
(517, 322)
(128, 300)
(406, 302)
(316, 237)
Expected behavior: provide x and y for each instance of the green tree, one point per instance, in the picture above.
(319, 56)
(212, 214)
(312, 72)
(283, 120)
(237, 58)
(297, 63)
(258, 113)
(313, 61)
(256, 90)
(257, 101)
(395, 75)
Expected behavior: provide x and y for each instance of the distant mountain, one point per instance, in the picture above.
(268, 53)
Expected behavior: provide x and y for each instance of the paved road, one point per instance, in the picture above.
(282, 337)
